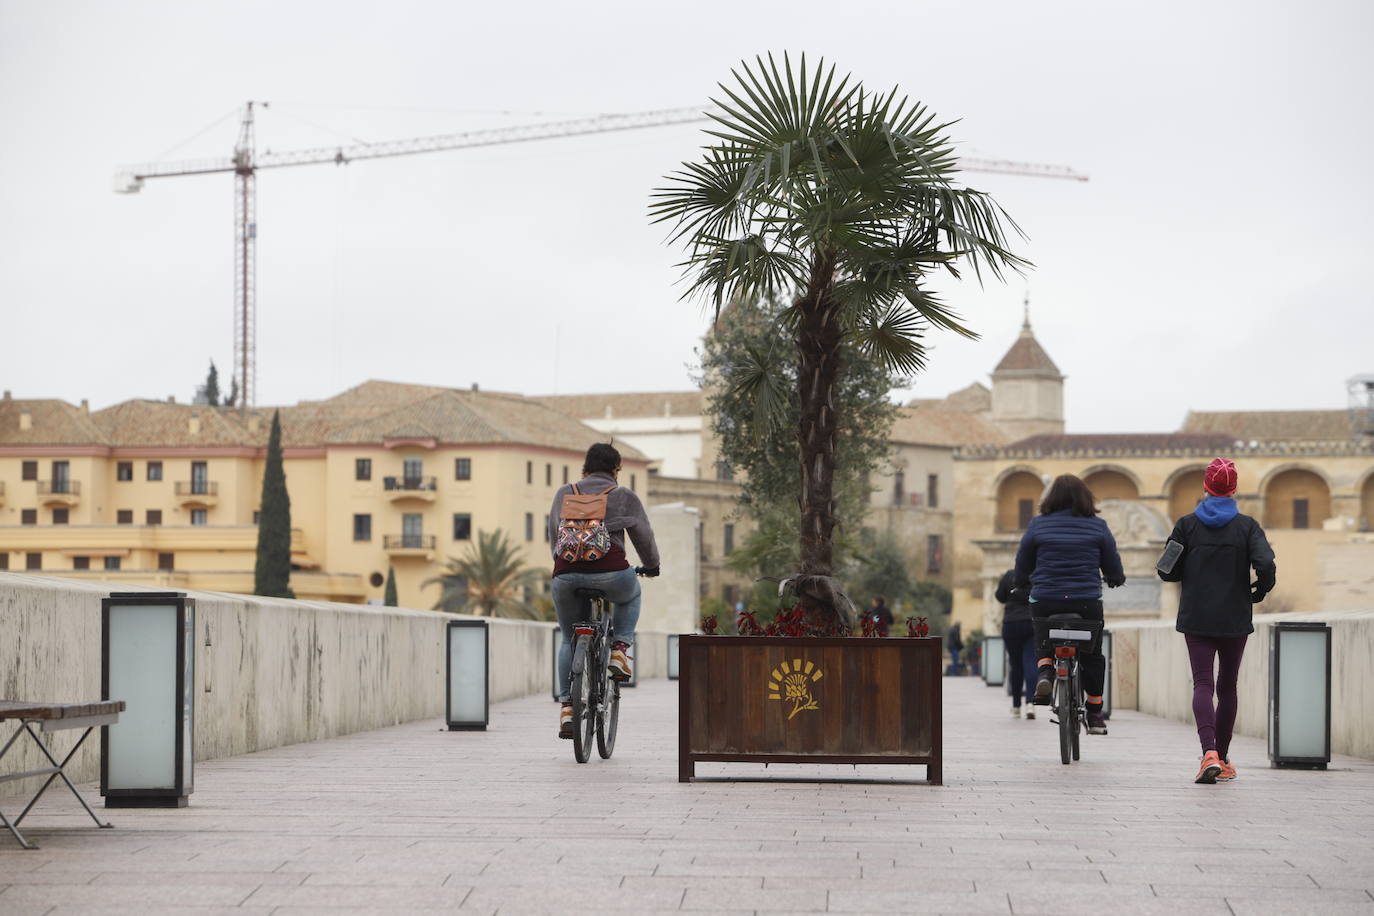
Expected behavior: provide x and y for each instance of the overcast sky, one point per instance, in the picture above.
(1218, 258)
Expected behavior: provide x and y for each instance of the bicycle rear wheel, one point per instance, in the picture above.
(1076, 707)
(583, 696)
(609, 717)
(1063, 705)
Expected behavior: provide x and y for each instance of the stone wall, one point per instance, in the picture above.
(1150, 672)
(269, 672)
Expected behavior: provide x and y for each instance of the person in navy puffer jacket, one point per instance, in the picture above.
(1065, 554)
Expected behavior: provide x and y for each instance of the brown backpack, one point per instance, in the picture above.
(582, 533)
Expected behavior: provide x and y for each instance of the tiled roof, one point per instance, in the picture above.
(975, 397)
(936, 426)
(1248, 425)
(51, 422)
(1026, 355)
(1125, 443)
(635, 404)
(159, 423)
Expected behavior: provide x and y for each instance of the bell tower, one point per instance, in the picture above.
(1027, 388)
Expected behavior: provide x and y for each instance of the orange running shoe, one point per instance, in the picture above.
(1227, 770)
(1210, 769)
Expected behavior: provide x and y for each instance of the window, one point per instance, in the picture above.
(153, 517)
(124, 517)
(362, 527)
(529, 472)
(565, 473)
(1025, 509)
(413, 471)
(1300, 516)
(28, 470)
(124, 471)
(81, 562)
(724, 471)
(934, 553)
(933, 491)
(59, 516)
(633, 482)
(61, 477)
(112, 562)
(548, 475)
(376, 579)
(256, 515)
(529, 526)
(199, 516)
(898, 488)
(546, 528)
(33, 561)
(362, 469)
(729, 539)
(200, 478)
(4, 560)
(462, 526)
(462, 469)
(164, 562)
(154, 470)
(28, 516)
(412, 530)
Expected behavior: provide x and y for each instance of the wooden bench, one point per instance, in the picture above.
(52, 717)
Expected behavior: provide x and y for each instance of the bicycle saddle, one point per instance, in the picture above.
(589, 594)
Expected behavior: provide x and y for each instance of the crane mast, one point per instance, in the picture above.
(245, 164)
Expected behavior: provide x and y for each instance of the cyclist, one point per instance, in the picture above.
(1220, 547)
(1065, 554)
(611, 573)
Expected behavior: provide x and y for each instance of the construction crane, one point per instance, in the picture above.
(246, 162)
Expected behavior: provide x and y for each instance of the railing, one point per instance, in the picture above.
(408, 542)
(59, 488)
(409, 483)
(197, 488)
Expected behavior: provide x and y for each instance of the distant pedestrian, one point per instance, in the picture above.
(880, 615)
(1212, 551)
(955, 644)
(1065, 554)
(1019, 637)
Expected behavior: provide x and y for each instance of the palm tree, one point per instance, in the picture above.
(491, 579)
(844, 201)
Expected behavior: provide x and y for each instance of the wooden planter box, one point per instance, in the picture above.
(775, 699)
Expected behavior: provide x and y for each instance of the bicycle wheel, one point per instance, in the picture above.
(1062, 711)
(609, 716)
(1075, 707)
(583, 697)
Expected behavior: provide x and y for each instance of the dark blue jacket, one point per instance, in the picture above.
(1061, 554)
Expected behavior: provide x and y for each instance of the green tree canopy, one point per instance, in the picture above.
(844, 201)
(272, 572)
(490, 579)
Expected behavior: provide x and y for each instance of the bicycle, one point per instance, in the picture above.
(594, 691)
(1067, 633)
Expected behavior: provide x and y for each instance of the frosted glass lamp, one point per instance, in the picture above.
(672, 656)
(1300, 695)
(147, 659)
(557, 633)
(1107, 680)
(467, 680)
(994, 661)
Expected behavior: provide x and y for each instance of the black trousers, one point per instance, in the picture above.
(1092, 662)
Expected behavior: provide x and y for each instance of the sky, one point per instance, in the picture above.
(1216, 260)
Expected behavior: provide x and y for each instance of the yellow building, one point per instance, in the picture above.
(382, 475)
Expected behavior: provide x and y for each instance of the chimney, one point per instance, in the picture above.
(195, 424)
(7, 394)
(85, 406)
(171, 399)
(25, 419)
(474, 386)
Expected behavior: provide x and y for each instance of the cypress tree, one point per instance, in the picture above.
(212, 386)
(389, 598)
(272, 575)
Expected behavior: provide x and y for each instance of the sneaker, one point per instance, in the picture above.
(1044, 685)
(1210, 769)
(1016, 712)
(1227, 771)
(1097, 725)
(620, 665)
(1030, 712)
(565, 721)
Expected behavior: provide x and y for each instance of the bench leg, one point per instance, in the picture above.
(60, 772)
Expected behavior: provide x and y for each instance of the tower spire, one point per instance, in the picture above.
(1025, 324)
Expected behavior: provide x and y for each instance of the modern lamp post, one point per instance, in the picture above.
(147, 659)
(672, 656)
(994, 661)
(468, 707)
(1300, 695)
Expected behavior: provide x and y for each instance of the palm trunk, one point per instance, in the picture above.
(818, 345)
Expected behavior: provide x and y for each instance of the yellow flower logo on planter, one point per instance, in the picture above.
(792, 683)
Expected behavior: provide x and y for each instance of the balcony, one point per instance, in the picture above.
(424, 489)
(59, 492)
(197, 493)
(408, 545)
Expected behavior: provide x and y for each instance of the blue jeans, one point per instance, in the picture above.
(621, 587)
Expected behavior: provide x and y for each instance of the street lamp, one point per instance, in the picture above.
(672, 656)
(147, 659)
(1300, 695)
(1107, 679)
(467, 682)
(994, 661)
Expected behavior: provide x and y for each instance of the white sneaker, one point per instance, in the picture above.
(1016, 712)
(1030, 712)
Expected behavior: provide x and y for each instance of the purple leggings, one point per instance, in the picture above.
(1214, 724)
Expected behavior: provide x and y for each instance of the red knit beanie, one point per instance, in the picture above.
(1220, 479)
